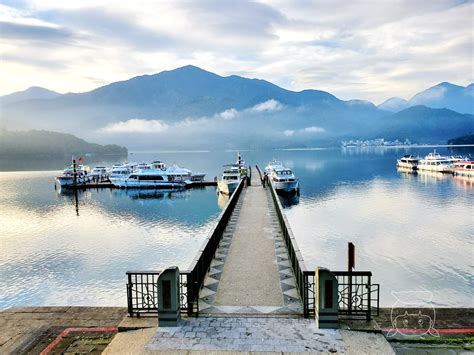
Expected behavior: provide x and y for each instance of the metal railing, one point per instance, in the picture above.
(357, 295)
(304, 278)
(142, 292)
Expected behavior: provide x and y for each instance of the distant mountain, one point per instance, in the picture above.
(424, 124)
(394, 104)
(190, 107)
(51, 144)
(32, 93)
(467, 139)
(444, 95)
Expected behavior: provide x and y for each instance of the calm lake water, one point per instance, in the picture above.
(414, 232)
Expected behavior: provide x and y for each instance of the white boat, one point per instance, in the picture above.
(183, 174)
(408, 162)
(282, 178)
(230, 179)
(435, 162)
(150, 178)
(464, 168)
(99, 173)
(231, 176)
(119, 172)
(67, 178)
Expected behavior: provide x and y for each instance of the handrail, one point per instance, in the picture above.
(142, 293)
(300, 271)
(202, 261)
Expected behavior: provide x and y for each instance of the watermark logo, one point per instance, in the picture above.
(413, 314)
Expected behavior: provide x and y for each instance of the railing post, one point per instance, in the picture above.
(129, 295)
(369, 296)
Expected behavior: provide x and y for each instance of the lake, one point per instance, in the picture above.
(413, 231)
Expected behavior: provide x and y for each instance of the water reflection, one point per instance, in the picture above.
(412, 230)
(288, 200)
(222, 200)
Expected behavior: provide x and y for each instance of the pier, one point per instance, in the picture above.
(250, 264)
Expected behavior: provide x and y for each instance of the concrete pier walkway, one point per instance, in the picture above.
(251, 273)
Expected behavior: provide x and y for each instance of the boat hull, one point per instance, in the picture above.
(405, 165)
(150, 184)
(286, 186)
(68, 181)
(436, 168)
(226, 187)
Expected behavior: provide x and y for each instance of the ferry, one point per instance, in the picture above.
(435, 162)
(119, 172)
(149, 178)
(408, 162)
(99, 173)
(67, 178)
(464, 168)
(282, 178)
(230, 179)
(231, 176)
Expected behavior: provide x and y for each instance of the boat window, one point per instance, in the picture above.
(151, 177)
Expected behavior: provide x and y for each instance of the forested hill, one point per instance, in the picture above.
(54, 144)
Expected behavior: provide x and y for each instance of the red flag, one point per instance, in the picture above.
(80, 160)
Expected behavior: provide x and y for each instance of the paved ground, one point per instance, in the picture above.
(252, 246)
(247, 334)
(31, 329)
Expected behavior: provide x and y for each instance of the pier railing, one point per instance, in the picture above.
(358, 297)
(142, 292)
(305, 279)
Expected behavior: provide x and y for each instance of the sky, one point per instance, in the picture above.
(368, 49)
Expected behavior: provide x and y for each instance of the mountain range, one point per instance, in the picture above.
(190, 107)
(444, 95)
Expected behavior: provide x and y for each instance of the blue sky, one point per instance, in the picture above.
(354, 49)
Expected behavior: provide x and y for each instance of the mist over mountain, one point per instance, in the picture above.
(192, 108)
(36, 143)
(444, 95)
(31, 93)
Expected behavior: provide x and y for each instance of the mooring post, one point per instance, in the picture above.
(350, 266)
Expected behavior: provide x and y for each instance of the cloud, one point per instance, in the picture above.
(289, 132)
(267, 106)
(11, 30)
(314, 129)
(229, 114)
(401, 49)
(135, 125)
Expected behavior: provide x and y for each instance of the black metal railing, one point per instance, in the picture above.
(304, 277)
(142, 286)
(358, 297)
(142, 292)
(202, 262)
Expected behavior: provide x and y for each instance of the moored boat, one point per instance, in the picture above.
(282, 178)
(437, 163)
(464, 168)
(67, 179)
(230, 179)
(408, 162)
(149, 178)
(231, 176)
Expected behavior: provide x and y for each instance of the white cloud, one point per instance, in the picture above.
(401, 49)
(135, 125)
(229, 114)
(314, 129)
(267, 106)
(289, 132)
